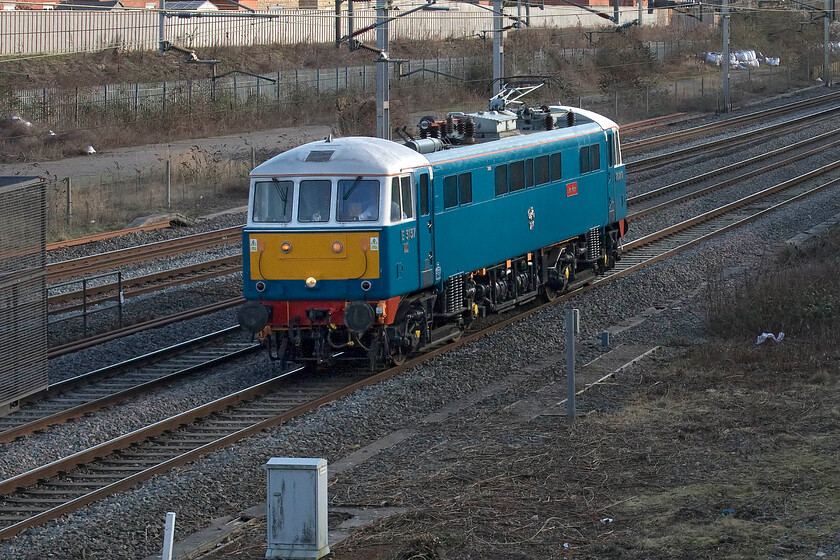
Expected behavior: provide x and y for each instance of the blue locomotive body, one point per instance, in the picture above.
(369, 247)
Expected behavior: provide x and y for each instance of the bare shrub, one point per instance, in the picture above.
(625, 62)
(796, 293)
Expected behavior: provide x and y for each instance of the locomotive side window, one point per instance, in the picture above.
(584, 160)
(358, 200)
(395, 199)
(501, 180)
(450, 191)
(423, 186)
(595, 157)
(529, 172)
(617, 148)
(541, 170)
(407, 207)
(314, 201)
(556, 168)
(273, 201)
(517, 176)
(465, 188)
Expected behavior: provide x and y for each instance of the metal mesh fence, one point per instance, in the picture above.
(23, 304)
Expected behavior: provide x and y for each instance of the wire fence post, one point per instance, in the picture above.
(69, 202)
(168, 195)
(572, 327)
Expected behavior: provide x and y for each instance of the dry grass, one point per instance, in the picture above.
(794, 292)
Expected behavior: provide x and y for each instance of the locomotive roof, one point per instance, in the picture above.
(362, 155)
(339, 156)
(586, 122)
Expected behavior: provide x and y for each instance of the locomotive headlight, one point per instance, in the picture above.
(285, 246)
(337, 246)
(310, 282)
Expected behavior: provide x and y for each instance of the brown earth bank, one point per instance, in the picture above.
(630, 64)
(716, 449)
(113, 66)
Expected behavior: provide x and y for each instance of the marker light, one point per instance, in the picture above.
(285, 246)
(310, 282)
(337, 246)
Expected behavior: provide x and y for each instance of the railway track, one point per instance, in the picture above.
(110, 291)
(646, 203)
(114, 259)
(87, 342)
(45, 493)
(715, 147)
(93, 391)
(741, 120)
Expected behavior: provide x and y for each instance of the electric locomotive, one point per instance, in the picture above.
(364, 248)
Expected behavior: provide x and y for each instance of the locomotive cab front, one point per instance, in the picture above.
(326, 221)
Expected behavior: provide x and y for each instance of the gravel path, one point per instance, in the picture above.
(226, 482)
(236, 146)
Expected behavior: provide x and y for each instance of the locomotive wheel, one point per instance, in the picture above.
(551, 293)
(398, 356)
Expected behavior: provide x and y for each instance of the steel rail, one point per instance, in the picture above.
(649, 124)
(114, 259)
(714, 146)
(74, 346)
(670, 138)
(149, 283)
(104, 449)
(104, 235)
(636, 200)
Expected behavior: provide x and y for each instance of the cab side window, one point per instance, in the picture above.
(405, 200)
(401, 207)
(423, 187)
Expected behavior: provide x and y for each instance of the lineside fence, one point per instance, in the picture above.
(95, 105)
(127, 103)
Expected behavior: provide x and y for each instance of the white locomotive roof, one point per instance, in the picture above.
(342, 156)
(598, 119)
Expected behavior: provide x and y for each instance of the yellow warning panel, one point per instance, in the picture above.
(324, 256)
